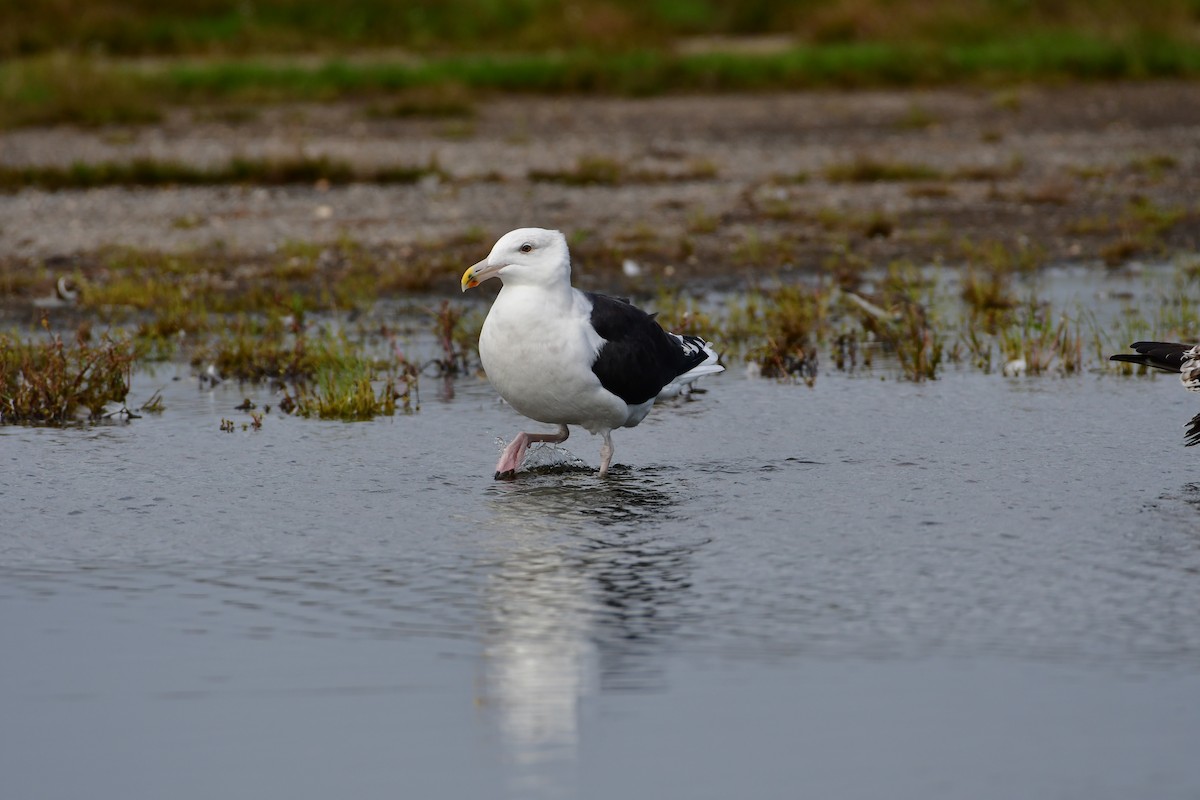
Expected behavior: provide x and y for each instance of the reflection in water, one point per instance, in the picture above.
(536, 664)
(581, 599)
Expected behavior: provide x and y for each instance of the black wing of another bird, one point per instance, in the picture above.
(638, 357)
(1192, 436)
(1169, 356)
(1161, 355)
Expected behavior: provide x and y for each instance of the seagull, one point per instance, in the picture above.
(1173, 357)
(566, 357)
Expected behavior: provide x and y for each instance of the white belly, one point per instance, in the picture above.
(544, 370)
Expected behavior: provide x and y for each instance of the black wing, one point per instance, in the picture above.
(1168, 356)
(1192, 437)
(1161, 355)
(638, 357)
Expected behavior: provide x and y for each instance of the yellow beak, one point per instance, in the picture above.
(468, 279)
(477, 274)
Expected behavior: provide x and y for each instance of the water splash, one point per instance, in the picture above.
(544, 457)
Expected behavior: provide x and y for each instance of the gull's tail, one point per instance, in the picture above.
(700, 358)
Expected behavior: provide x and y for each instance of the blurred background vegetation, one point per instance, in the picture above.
(240, 27)
(125, 61)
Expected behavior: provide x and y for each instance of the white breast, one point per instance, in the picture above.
(537, 350)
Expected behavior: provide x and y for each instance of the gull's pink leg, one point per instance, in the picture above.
(514, 454)
(606, 453)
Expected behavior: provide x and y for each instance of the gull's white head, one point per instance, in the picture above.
(531, 256)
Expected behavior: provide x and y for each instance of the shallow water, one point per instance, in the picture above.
(974, 587)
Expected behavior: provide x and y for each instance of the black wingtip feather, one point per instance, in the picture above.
(1192, 436)
(1160, 355)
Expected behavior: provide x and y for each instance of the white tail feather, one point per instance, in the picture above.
(709, 366)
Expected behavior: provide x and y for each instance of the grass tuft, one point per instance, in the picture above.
(40, 87)
(153, 172)
(780, 331)
(55, 383)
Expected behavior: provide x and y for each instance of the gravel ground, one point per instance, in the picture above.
(1055, 168)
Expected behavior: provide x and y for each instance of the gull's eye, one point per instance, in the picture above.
(526, 248)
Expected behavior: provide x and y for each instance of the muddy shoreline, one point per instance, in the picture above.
(714, 184)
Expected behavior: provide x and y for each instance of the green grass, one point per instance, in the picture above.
(1043, 341)
(343, 386)
(69, 89)
(657, 71)
(152, 172)
(90, 91)
(222, 27)
(325, 374)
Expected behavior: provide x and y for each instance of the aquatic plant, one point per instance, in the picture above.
(52, 382)
(979, 347)
(1040, 340)
(1177, 317)
(251, 349)
(346, 393)
(989, 300)
(917, 344)
(682, 313)
(909, 332)
(345, 384)
(455, 339)
(155, 404)
(322, 372)
(779, 330)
